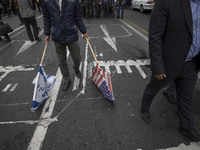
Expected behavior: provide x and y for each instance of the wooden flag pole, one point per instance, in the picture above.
(45, 49)
(91, 50)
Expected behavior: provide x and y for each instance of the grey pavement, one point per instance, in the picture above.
(83, 119)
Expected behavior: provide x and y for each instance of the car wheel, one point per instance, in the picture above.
(141, 9)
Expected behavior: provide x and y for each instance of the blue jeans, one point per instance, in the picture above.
(122, 11)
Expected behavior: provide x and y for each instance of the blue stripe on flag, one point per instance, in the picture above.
(36, 104)
(41, 71)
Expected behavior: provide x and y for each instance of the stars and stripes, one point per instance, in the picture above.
(103, 82)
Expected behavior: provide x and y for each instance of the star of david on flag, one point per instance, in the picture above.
(43, 86)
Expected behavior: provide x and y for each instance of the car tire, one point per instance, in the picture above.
(141, 9)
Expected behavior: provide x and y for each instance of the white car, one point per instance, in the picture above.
(142, 5)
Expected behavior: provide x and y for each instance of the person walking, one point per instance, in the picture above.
(106, 4)
(98, 4)
(62, 19)
(5, 4)
(28, 14)
(89, 8)
(120, 8)
(174, 53)
(6, 35)
(18, 13)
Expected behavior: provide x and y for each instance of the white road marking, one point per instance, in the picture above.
(192, 146)
(7, 87)
(16, 34)
(41, 129)
(108, 39)
(85, 69)
(135, 30)
(20, 122)
(39, 16)
(9, 69)
(114, 39)
(13, 87)
(119, 63)
(76, 81)
(16, 29)
(68, 52)
(25, 46)
(28, 44)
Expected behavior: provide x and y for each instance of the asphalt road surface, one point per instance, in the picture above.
(80, 118)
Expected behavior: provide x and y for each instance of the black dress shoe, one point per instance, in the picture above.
(66, 84)
(78, 74)
(170, 98)
(38, 39)
(192, 134)
(145, 116)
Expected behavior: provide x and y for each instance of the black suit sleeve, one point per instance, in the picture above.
(157, 27)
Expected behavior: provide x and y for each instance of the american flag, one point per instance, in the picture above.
(103, 82)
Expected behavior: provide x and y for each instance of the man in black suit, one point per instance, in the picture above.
(174, 48)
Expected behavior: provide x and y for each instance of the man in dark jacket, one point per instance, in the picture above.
(174, 53)
(26, 8)
(62, 19)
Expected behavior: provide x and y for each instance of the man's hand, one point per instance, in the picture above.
(85, 36)
(160, 76)
(47, 39)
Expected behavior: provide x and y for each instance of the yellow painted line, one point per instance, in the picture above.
(136, 26)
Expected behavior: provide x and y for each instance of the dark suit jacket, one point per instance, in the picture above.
(170, 36)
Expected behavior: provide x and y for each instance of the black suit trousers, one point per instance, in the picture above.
(185, 82)
(28, 22)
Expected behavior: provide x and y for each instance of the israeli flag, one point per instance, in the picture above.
(43, 86)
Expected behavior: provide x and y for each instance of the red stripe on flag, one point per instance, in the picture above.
(99, 71)
(95, 71)
(99, 80)
(109, 82)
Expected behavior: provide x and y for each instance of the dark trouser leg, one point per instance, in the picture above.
(35, 27)
(118, 11)
(75, 53)
(185, 85)
(99, 10)
(61, 54)
(28, 28)
(7, 37)
(170, 88)
(150, 92)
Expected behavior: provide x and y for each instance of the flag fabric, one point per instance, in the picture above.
(103, 82)
(43, 86)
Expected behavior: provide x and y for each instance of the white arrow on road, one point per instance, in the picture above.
(108, 39)
(28, 44)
